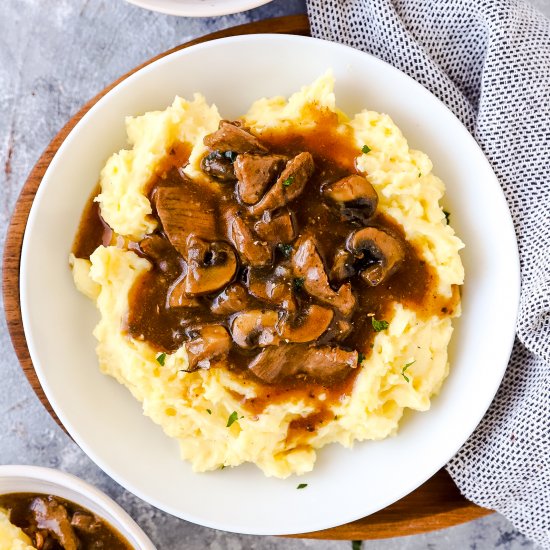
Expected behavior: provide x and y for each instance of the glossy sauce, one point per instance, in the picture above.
(414, 285)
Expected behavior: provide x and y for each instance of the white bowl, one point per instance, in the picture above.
(33, 479)
(107, 422)
(198, 8)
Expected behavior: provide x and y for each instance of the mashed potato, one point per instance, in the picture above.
(11, 537)
(408, 362)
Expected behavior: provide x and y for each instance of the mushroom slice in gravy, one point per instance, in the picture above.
(255, 328)
(233, 298)
(288, 186)
(274, 364)
(356, 197)
(206, 345)
(255, 173)
(309, 267)
(231, 137)
(210, 266)
(308, 325)
(377, 254)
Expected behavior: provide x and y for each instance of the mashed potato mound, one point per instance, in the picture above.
(11, 536)
(194, 407)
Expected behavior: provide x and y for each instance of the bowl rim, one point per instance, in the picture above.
(170, 7)
(79, 487)
(490, 392)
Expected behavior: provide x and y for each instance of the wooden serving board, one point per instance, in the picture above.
(434, 505)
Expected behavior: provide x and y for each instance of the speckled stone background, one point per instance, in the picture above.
(54, 56)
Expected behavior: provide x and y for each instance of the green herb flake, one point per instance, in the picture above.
(405, 368)
(208, 411)
(302, 486)
(161, 359)
(419, 174)
(447, 216)
(379, 325)
(233, 417)
(288, 181)
(360, 358)
(286, 249)
(222, 466)
(356, 544)
(298, 283)
(366, 149)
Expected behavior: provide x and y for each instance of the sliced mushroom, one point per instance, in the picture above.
(177, 297)
(252, 250)
(234, 298)
(231, 137)
(210, 266)
(288, 186)
(208, 344)
(342, 268)
(277, 228)
(307, 265)
(184, 210)
(356, 197)
(219, 165)
(377, 254)
(274, 364)
(255, 173)
(273, 288)
(255, 328)
(308, 325)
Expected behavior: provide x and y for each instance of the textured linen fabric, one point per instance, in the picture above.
(489, 61)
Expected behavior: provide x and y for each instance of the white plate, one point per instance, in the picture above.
(346, 484)
(33, 479)
(198, 8)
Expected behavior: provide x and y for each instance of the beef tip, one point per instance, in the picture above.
(233, 299)
(178, 298)
(210, 266)
(377, 254)
(277, 228)
(52, 516)
(231, 137)
(274, 364)
(355, 196)
(255, 173)
(219, 165)
(342, 268)
(85, 523)
(272, 288)
(184, 210)
(309, 268)
(208, 344)
(255, 328)
(252, 250)
(155, 247)
(288, 186)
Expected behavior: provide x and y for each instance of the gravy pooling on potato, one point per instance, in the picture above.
(277, 266)
(53, 523)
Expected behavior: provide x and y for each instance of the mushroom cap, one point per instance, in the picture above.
(377, 254)
(210, 265)
(255, 328)
(355, 195)
(307, 326)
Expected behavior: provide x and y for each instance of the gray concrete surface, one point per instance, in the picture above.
(55, 55)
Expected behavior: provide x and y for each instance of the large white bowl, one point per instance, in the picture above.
(33, 479)
(346, 484)
(198, 8)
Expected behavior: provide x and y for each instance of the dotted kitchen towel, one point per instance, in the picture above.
(489, 61)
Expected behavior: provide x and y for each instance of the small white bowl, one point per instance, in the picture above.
(33, 479)
(198, 8)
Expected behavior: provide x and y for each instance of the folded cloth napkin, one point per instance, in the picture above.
(489, 62)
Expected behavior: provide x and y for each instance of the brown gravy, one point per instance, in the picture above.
(334, 153)
(92, 532)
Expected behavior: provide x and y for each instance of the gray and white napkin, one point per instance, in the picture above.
(489, 61)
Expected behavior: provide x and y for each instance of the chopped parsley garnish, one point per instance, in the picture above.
(288, 181)
(286, 249)
(419, 174)
(231, 155)
(161, 359)
(298, 283)
(447, 216)
(302, 486)
(208, 411)
(356, 544)
(360, 358)
(379, 325)
(405, 368)
(366, 149)
(232, 418)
